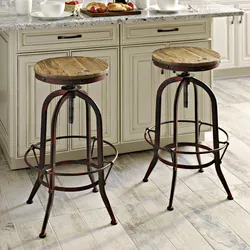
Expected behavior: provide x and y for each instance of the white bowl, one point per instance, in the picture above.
(167, 4)
(52, 8)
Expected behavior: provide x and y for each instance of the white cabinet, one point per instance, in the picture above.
(140, 80)
(105, 94)
(30, 96)
(231, 38)
(224, 40)
(244, 36)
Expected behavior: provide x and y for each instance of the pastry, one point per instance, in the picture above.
(97, 5)
(72, 6)
(116, 7)
(127, 6)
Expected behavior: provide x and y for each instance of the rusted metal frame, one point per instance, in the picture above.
(185, 94)
(80, 161)
(100, 158)
(169, 147)
(196, 119)
(41, 165)
(51, 184)
(158, 122)
(175, 140)
(215, 127)
(204, 165)
(225, 149)
(181, 144)
(83, 95)
(34, 152)
(70, 189)
(88, 142)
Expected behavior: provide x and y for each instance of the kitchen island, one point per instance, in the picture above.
(126, 97)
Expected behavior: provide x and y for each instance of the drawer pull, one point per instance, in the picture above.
(170, 30)
(241, 19)
(69, 37)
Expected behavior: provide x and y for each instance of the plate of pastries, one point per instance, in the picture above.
(110, 9)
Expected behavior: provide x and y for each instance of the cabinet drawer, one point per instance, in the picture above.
(165, 31)
(80, 37)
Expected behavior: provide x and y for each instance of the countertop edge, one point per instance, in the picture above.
(88, 21)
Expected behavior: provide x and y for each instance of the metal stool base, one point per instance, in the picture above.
(47, 172)
(185, 79)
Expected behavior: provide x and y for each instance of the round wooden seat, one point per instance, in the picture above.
(186, 59)
(71, 70)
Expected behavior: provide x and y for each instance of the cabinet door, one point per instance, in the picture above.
(30, 97)
(140, 80)
(244, 36)
(204, 102)
(105, 94)
(223, 40)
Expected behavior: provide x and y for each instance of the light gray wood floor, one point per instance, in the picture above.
(202, 219)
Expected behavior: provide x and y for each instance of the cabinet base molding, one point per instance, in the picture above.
(128, 147)
(231, 73)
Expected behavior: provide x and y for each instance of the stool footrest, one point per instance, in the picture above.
(47, 170)
(171, 149)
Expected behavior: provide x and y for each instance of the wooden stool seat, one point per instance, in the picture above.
(186, 59)
(71, 70)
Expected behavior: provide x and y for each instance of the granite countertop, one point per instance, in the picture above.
(9, 20)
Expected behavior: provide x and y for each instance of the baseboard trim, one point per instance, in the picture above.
(231, 73)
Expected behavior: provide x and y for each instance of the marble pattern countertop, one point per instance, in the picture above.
(9, 20)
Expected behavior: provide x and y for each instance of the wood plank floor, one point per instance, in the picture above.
(202, 219)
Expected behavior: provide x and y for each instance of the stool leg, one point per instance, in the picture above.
(49, 206)
(105, 198)
(82, 94)
(34, 190)
(217, 159)
(151, 167)
(174, 160)
(158, 123)
(221, 177)
(175, 140)
(197, 130)
(44, 112)
(88, 146)
(53, 161)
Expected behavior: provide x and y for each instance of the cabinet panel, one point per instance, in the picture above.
(82, 37)
(244, 36)
(30, 97)
(204, 102)
(105, 94)
(140, 80)
(138, 33)
(224, 40)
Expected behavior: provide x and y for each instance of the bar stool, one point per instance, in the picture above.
(70, 72)
(185, 60)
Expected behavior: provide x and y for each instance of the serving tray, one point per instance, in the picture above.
(111, 13)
